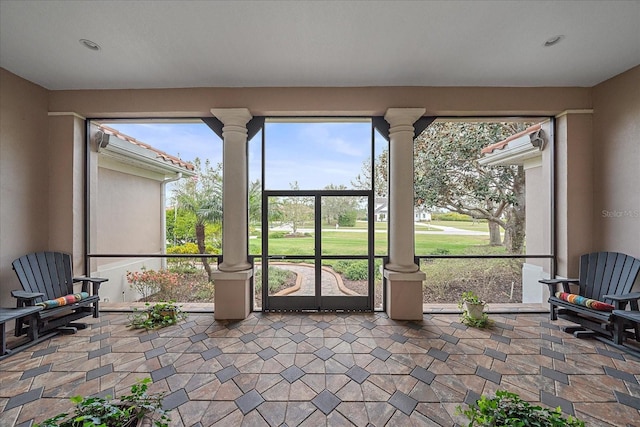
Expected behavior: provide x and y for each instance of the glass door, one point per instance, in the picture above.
(317, 250)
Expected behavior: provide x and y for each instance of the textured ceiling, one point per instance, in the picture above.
(159, 44)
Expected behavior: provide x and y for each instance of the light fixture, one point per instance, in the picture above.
(552, 41)
(89, 44)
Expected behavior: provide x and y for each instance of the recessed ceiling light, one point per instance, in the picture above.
(89, 44)
(552, 41)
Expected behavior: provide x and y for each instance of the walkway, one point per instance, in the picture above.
(306, 272)
(324, 370)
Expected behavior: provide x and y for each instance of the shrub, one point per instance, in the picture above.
(357, 270)
(148, 282)
(508, 409)
(277, 234)
(347, 219)
(450, 216)
(277, 278)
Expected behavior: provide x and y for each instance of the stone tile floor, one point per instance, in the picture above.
(325, 369)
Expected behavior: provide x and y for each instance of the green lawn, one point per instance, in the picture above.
(346, 243)
(463, 225)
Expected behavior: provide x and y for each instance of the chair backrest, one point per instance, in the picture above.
(603, 273)
(46, 272)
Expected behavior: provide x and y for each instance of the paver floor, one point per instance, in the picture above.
(322, 369)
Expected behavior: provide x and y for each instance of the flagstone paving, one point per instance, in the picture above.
(322, 369)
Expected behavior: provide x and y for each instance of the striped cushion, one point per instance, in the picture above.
(67, 299)
(589, 303)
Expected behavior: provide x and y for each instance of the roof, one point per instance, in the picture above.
(504, 143)
(160, 155)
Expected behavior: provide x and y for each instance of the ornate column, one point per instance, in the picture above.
(232, 281)
(404, 280)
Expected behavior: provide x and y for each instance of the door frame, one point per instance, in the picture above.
(317, 302)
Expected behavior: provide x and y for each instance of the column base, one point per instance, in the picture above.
(234, 267)
(232, 295)
(404, 295)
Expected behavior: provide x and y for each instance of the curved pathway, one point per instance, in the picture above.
(305, 281)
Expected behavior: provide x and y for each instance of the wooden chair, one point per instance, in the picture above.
(604, 276)
(45, 277)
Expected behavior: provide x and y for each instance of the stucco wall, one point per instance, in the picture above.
(574, 190)
(24, 174)
(128, 214)
(616, 131)
(25, 156)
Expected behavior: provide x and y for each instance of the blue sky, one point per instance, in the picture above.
(313, 154)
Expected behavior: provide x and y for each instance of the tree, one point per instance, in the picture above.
(380, 174)
(336, 207)
(202, 196)
(295, 210)
(180, 226)
(255, 201)
(448, 175)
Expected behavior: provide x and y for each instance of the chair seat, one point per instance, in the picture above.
(604, 316)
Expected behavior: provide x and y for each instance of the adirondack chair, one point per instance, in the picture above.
(606, 277)
(46, 279)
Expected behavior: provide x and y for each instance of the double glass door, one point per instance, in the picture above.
(317, 250)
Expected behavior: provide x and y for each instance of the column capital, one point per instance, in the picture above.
(232, 116)
(403, 116)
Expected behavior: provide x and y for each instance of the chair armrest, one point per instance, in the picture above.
(89, 279)
(95, 282)
(623, 297)
(620, 301)
(552, 283)
(26, 298)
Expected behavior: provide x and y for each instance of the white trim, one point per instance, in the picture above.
(567, 112)
(534, 162)
(60, 113)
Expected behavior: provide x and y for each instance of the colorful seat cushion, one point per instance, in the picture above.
(587, 302)
(65, 300)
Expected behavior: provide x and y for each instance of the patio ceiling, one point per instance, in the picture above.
(316, 43)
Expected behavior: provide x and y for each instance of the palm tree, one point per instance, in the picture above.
(202, 195)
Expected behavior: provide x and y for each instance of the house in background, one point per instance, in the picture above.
(381, 212)
(132, 180)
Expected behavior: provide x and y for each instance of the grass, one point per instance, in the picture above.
(348, 243)
(463, 225)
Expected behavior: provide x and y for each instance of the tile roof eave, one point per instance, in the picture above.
(504, 143)
(160, 155)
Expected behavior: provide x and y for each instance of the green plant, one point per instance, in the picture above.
(508, 409)
(123, 412)
(357, 270)
(469, 297)
(277, 278)
(156, 316)
(473, 311)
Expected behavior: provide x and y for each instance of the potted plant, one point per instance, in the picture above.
(508, 409)
(473, 313)
(135, 409)
(158, 315)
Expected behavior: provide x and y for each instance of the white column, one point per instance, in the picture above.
(404, 280)
(401, 237)
(232, 280)
(235, 221)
